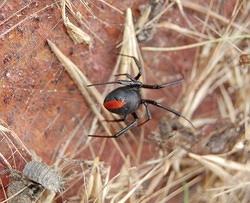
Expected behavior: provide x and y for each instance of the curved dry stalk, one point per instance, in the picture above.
(198, 44)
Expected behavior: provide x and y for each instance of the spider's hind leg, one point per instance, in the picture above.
(148, 114)
(122, 131)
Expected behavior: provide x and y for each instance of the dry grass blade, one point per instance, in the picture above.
(94, 190)
(216, 169)
(3, 129)
(128, 178)
(199, 44)
(230, 189)
(246, 105)
(4, 161)
(180, 6)
(182, 30)
(3, 189)
(112, 7)
(196, 96)
(129, 46)
(138, 184)
(180, 190)
(2, 4)
(228, 104)
(76, 33)
(14, 142)
(77, 15)
(201, 9)
(48, 197)
(62, 149)
(227, 163)
(81, 82)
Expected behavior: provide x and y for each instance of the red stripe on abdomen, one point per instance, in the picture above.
(114, 104)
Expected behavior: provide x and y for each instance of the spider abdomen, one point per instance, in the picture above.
(123, 100)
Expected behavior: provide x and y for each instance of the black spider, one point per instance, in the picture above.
(127, 99)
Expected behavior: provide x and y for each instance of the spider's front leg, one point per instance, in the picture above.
(138, 64)
(159, 86)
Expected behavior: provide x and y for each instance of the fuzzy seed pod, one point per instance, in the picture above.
(44, 175)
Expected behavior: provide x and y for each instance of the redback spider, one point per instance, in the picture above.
(127, 99)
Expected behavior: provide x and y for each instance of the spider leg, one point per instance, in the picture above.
(124, 130)
(149, 117)
(167, 109)
(156, 86)
(138, 64)
(117, 120)
(121, 82)
(127, 75)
